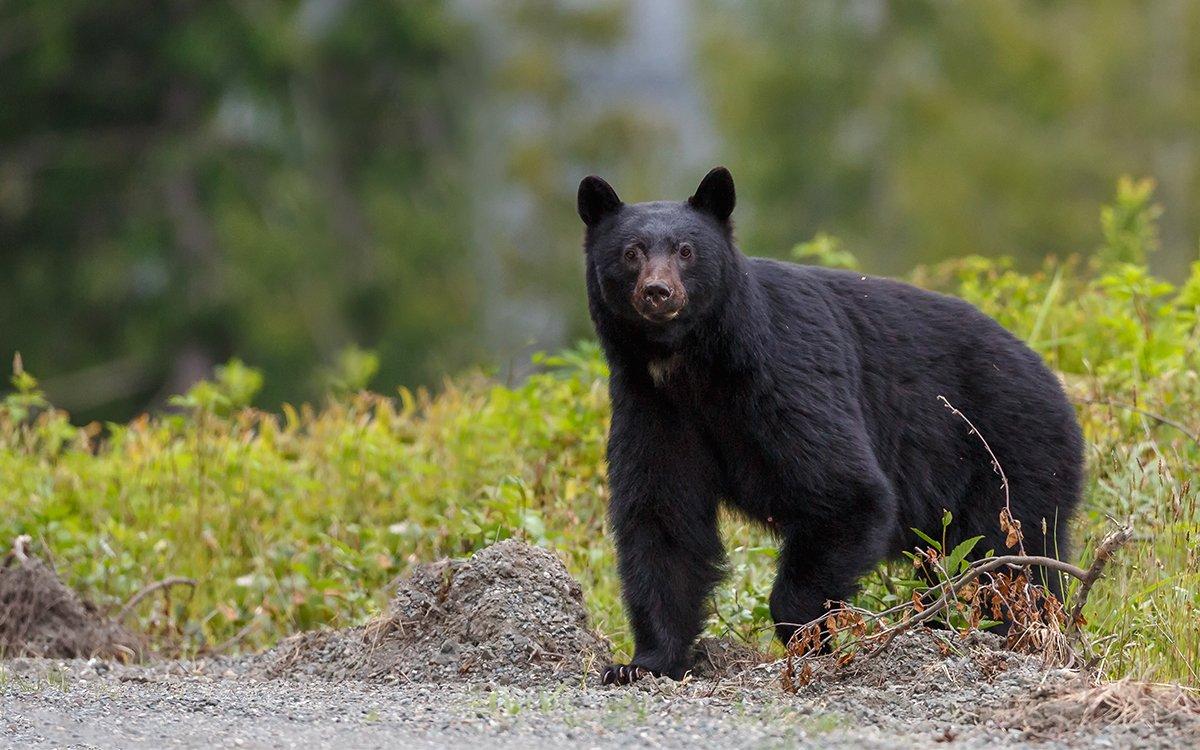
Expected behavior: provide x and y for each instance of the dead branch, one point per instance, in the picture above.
(806, 641)
(150, 589)
(953, 586)
(1187, 432)
(1008, 522)
(1111, 543)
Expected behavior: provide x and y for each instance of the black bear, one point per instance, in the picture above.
(808, 400)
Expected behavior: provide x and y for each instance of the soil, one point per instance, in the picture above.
(496, 651)
(509, 614)
(41, 616)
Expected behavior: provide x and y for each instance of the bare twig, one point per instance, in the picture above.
(235, 638)
(998, 469)
(1111, 543)
(150, 589)
(1189, 433)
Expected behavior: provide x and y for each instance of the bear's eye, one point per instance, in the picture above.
(685, 250)
(630, 254)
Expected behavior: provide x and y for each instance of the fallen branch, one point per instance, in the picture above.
(951, 588)
(150, 589)
(1087, 578)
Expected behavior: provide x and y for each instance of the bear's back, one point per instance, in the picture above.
(910, 346)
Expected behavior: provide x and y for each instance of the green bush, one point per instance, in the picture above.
(300, 519)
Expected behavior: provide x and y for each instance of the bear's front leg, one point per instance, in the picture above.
(668, 563)
(663, 514)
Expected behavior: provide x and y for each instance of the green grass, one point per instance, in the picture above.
(51, 679)
(297, 520)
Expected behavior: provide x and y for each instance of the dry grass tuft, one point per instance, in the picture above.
(1119, 703)
(41, 616)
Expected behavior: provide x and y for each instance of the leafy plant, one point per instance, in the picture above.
(941, 568)
(825, 250)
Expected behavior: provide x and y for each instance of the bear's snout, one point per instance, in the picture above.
(659, 301)
(659, 294)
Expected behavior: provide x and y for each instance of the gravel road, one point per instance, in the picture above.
(203, 712)
(46, 704)
(496, 651)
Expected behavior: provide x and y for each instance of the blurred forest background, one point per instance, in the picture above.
(183, 181)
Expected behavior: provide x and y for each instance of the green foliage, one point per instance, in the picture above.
(25, 397)
(353, 372)
(825, 250)
(944, 566)
(183, 181)
(918, 131)
(1130, 225)
(300, 519)
(1110, 319)
(235, 387)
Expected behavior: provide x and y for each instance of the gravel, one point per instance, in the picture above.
(511, 613)
(46, 704)
(495, 651)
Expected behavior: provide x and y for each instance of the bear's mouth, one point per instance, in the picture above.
(660, 317)
(660, 312)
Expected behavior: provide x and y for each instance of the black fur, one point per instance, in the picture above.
(806, 399)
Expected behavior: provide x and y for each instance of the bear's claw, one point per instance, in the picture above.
(624, 674)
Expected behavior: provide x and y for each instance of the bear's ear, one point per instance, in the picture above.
(596, 200)
(715, 194)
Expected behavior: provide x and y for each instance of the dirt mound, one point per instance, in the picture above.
(970, 690)
(41, 616)
(509, 614)
(929, 673)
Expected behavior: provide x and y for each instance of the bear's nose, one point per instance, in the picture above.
(657, 292)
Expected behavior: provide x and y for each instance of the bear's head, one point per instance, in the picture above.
(659, 266)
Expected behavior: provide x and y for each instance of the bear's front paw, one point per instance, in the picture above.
(624, 674)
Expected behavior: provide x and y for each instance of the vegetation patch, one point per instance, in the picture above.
(297, 520)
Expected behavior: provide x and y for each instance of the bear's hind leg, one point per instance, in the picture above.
(820, 563)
